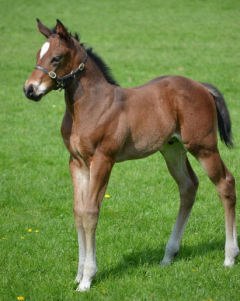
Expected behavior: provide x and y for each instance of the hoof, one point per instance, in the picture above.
(231, 255)
(84, 285)
(229, 263)
(165, 263)
(83, 288)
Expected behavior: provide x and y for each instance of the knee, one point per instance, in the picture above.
(84, 211)
(87, 217)
(77, 210)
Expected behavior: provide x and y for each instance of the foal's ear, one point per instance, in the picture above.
(61, 30)
(43, 29)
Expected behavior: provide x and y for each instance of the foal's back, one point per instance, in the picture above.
(165, 107)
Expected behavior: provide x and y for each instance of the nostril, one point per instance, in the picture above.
(30, 90)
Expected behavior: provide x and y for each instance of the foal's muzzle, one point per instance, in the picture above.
(32, 92)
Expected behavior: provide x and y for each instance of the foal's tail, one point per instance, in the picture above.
(224, 121)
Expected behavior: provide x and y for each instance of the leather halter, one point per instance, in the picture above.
(61, 81)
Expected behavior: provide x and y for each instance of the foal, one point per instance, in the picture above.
(105, 123)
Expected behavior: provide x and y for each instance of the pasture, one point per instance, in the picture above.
(139, 40)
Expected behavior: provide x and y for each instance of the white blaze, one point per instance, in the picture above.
(44, 49)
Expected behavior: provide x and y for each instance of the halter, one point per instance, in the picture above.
(61, 81)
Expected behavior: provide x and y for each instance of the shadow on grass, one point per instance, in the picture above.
(149, 257)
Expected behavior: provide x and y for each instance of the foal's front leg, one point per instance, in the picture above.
(86, 215)
(80, 177)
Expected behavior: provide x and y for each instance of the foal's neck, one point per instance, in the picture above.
(90, 89)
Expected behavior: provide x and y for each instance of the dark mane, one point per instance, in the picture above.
(103, 67)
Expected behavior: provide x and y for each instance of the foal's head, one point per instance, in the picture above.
(61, 53)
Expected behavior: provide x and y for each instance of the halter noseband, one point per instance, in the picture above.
(61, 81)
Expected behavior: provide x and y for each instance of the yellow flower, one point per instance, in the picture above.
(103, 291)
(193, 270)
(107, 196)
(22, 237)
(4, 238)
(29, 230)
(20, 298)
(36, 231)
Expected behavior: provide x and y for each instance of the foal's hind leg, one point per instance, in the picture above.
(225, 184)
(181, 170)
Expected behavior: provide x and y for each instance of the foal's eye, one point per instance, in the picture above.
(56, 59)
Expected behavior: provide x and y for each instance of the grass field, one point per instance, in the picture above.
(139, 40)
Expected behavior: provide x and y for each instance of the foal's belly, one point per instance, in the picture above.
(142, 146)
(131, 153)
(150, 123)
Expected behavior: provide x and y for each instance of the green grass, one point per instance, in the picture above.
(140, 40)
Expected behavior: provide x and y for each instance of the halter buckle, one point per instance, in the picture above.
(81, 66)
(52, 74)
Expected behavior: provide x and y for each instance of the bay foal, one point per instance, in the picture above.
(105, 123)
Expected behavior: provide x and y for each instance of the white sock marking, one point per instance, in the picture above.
(44, 49)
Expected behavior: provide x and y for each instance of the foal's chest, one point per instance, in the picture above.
(75, 147)
(76, 140)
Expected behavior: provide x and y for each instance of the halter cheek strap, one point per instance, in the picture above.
(61, 81)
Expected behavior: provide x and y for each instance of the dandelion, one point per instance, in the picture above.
(103, 291)
(22, 237)
(107, 196)
(4, 238)
(20, 298)
(36, 231)
(29, 230)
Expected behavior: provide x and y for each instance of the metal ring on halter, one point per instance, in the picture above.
(52, 74)
(81, 66)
